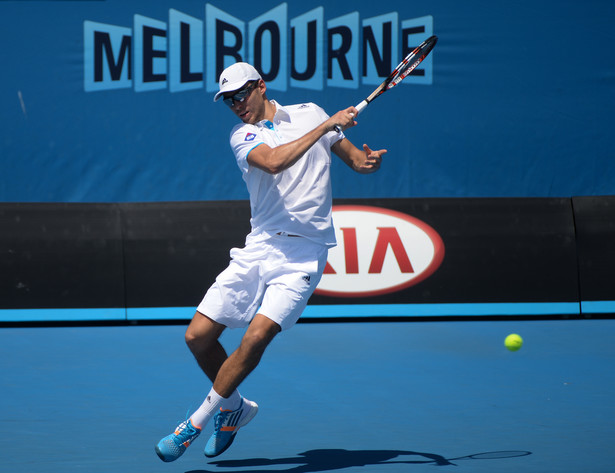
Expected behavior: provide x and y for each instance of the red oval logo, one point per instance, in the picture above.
(378, 251)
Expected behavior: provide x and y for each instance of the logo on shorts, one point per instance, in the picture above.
(250, 137)
(306, 278)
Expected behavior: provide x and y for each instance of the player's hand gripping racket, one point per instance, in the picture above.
(402, 71)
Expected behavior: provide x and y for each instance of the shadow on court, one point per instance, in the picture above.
(338, 459)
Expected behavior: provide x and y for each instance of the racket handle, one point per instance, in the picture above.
(361, 106)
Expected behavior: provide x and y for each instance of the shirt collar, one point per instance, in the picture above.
(281, 114)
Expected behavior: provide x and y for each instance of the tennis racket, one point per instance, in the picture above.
(403, 70)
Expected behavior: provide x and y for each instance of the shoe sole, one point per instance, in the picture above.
(162, 457)
(244, 421)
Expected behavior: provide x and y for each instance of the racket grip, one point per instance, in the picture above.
(361, 106)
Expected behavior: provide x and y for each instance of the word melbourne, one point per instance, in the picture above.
(185, 53)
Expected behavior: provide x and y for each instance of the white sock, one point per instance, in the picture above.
(232, 402)
(208, 409)
(212, 403)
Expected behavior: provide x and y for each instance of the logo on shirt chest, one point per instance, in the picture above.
(250, 137)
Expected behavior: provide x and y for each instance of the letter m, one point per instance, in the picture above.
(106, 56)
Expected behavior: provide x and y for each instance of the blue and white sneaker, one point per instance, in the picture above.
(227, 424)
(173, 446)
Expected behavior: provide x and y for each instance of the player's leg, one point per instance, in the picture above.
(224, 396)
(221, 311)
(202, 339)
(232, 373)
(246, 357)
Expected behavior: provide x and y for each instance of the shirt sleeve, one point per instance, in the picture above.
(244, 138)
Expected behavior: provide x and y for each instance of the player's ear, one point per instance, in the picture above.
(261, 86)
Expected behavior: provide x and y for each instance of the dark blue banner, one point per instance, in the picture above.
(112, 101)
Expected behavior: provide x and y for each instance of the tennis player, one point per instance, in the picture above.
(284, 154)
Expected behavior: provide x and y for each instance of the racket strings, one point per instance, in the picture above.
(413, 59)
(405, 71)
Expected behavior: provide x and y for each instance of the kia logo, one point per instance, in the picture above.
(379, 251)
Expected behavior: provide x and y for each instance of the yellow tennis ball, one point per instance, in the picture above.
(513, 342)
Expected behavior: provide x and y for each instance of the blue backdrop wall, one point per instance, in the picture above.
(111, 101)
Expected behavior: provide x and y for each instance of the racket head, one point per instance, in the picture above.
(411, 61)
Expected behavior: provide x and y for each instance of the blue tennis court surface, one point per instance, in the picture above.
(348, 397)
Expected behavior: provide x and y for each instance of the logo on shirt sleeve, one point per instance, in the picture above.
(250, 137)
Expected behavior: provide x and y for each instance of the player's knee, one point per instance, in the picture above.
(197, 341)
(191, 338)
(202, 333)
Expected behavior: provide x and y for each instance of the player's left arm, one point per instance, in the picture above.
(363, 161)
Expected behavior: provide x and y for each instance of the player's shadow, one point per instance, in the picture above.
(338, 459)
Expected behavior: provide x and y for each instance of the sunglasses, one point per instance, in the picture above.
(241, 95)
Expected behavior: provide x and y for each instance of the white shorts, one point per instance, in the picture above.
(276, 277)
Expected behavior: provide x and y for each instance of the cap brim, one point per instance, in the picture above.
(229, 87)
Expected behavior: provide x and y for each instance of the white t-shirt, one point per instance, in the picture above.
(297, 200)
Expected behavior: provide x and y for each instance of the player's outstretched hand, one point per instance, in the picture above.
(373, 159)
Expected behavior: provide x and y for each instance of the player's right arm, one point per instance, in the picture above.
(275, 160)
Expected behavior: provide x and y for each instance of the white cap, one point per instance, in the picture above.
(235, 77)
